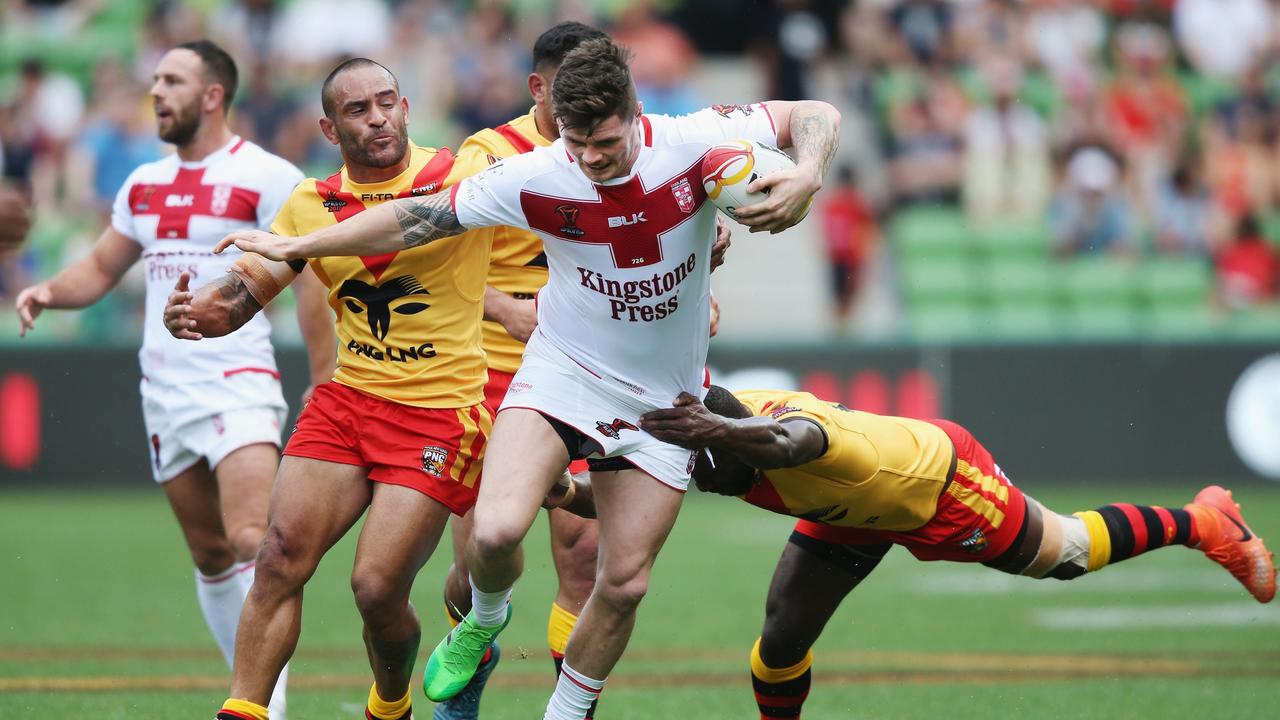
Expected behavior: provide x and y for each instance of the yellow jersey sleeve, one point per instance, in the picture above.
(878, 472)
(408, 322)
(517, 264)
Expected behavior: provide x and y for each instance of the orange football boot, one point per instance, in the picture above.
(1228, 541)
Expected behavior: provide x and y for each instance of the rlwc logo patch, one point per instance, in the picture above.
(334, 203)
(569, 214)
(615, 428)
(781, 410)
(684, 195)
(433, 459)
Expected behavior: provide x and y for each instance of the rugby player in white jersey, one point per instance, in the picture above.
(622, 329)
(213, 409)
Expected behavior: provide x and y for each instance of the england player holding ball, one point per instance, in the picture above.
(620, 205)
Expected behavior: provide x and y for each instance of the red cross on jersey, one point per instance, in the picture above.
(177, 211)
(627, 295)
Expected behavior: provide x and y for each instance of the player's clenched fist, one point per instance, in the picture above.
(177, 311)
(272, 247)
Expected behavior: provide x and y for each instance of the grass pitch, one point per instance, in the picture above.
(98, 618)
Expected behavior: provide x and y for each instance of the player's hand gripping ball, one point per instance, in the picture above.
(729, 168)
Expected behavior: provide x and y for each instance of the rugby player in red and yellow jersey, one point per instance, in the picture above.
(400, 428)
(861, 483)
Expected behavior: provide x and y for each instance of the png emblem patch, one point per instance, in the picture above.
(433, 459)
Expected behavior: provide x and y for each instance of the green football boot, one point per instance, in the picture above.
(455, 659)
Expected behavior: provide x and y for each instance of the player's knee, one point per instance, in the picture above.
(246, 540)
(377, 592)
(281, 564)
(622, 595)
(495, 541)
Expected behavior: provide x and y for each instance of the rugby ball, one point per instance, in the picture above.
(729, 168)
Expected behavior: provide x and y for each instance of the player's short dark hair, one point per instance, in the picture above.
(551, 46)
(219, 68)
(327, 101)
(593, 84)
(722, 402)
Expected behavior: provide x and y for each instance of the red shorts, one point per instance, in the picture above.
(435, 451)
(496, 389)
(978, 518)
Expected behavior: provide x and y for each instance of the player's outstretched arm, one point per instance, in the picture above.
(81, 283)
(760, 442)
(392, 226)
(226, 304)
(811, 127)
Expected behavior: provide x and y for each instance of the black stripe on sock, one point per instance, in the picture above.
(1182, 526)
(794, 687)
(1155, 527)
(559, 661)
(1120, 530)
(779, 712)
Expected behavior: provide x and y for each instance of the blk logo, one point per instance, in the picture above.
(615, 428)
(376, 300)
(569, 214)
(623, 221)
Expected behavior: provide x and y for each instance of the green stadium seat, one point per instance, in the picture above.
(1099, 279)
(932, 232)
(1171, 322)
(1256, 323)
(1271, 228)
(1175, 281)
(946, 322)
(1101, 322)
(1014, 280)
(926, 281)
(1027, 320)
(1013, 239)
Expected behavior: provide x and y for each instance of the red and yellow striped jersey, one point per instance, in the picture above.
(517, 264)
(408, 322)
(878, 472)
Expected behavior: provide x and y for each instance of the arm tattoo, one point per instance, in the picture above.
(424, 220)
(813, 136)
(240, 305)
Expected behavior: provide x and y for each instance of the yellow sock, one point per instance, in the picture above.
(1099, 539)
(243, 710)
(385, 710)
(559, 627)
(778, 675)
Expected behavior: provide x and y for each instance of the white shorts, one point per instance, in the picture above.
(209, 420)
(607, 414)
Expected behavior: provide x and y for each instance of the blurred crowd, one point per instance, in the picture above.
(1129, 127)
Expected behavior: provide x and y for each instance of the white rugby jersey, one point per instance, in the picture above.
(627, 297)
(177, 211)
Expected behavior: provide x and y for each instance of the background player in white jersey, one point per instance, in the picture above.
(212, 410)
(622, 328)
